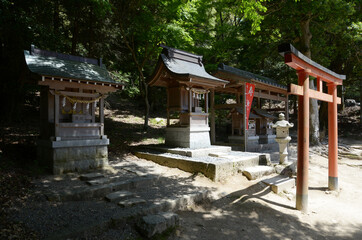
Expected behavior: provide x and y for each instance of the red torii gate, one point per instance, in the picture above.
(306, 67)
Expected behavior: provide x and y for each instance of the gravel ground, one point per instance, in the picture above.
(49, 219)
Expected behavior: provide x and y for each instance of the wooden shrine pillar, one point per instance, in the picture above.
(303, 142)
(332, 139)
(244, 119)
(206, 102)
(168, 108)
(56, 116)
(212, 116)
(190, 100)
(287, 107)
(101, 114)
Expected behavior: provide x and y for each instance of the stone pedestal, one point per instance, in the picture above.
(73, 155)
(188, 137)
(283, 148)
(253, 142)
(266, 139)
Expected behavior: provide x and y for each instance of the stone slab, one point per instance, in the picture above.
(99, 181)
(216, 169)
(201, 152)
(256, 172)
(119, 195)
(151, 225)
(90, 192)
(280, 184)
(90, 176)
(131, 202)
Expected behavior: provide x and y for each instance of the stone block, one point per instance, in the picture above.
(282, 186)
(256, 172)
(195, 137)
(117, 196)
(99, 181)
(287, 169)
(131, 202)
(90, 176)
(151, 225)
(279, 183)
(101, 152)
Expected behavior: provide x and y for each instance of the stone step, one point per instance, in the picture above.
(161, 205)
(151, 225)
(256, 172)
(89, 192)
(131, 202)
(117, 196)
(91, 176)
(99, 181)
(287, 168)
(280, 184)
(218, 154)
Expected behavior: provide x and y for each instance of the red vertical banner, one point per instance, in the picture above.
(250, 88)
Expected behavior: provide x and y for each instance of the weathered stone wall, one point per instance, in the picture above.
(61, 158)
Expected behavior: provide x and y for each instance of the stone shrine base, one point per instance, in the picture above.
(215, 162)
(188, 137)
(253, 142)
(265, 139)
(73, 155)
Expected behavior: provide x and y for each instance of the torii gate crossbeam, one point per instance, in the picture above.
(306, 67)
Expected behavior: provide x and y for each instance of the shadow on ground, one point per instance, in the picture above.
(246, 214)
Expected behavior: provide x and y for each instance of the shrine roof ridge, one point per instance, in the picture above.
(47, 63)
(183, 63)
(180, 54)
(249, 75)
(241, 111)
(264, 113)
(289, 48)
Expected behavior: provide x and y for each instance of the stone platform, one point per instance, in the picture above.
(73, 155)
(215, 162)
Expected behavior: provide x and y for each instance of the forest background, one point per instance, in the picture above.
(126, 34)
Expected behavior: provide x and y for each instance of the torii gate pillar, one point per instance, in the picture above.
(306, 67)
(332, 139)
(303, 141)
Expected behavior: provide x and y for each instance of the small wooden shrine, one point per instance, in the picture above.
(237, 126)
(72, 109)
(265, 88)
(236, 115)
(188, 85)
(264, 126)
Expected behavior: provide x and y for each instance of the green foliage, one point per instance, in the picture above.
(126, 33)
(130, 90)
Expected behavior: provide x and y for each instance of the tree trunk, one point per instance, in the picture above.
(360, 101)
(147, 103)
(313, 103)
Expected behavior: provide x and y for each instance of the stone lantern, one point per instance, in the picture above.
(282, 137)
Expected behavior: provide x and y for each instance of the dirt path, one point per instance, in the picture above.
(250, 211)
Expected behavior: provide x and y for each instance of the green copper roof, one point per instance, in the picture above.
(59, 66)
(249, 75)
